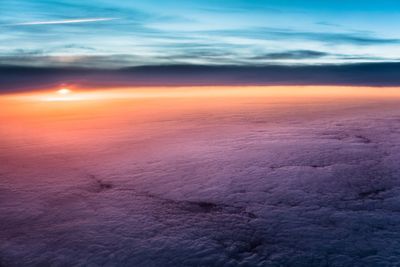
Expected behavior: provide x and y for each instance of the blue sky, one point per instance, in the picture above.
(112, 34)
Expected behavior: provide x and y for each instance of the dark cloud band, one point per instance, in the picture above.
(362, 74)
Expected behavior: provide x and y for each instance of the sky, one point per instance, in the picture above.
(115, 34)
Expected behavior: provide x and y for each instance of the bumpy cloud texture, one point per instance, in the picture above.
(265, 183)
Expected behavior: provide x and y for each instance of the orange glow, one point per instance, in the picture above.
(227, 92)
(84, 115)
(64, 91)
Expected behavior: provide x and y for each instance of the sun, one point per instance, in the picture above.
(61, 95)
(64, 91)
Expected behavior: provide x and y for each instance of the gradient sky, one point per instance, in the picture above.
(110, 34)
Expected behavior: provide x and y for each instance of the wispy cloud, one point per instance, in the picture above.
(67, 21)
(130, 33)
(295, 54)
(278, 34)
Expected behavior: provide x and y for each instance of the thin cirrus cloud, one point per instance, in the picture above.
(158, 32)
(67, 21)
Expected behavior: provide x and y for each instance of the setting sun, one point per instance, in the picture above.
(64, 91)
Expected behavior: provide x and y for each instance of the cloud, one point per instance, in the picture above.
(368, 74)
(264, 33)
(66, 21)
(266, 182)
(329, 24)
(294, 54)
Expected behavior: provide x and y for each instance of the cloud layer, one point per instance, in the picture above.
(199, 32)
(371, 74)
(263, 182)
